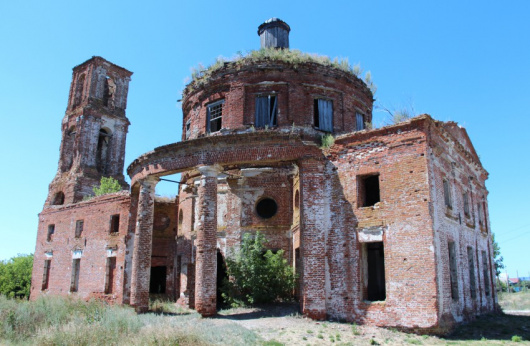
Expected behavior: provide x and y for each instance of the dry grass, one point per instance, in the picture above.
(61, 321)
(515, 301)
(202, 75)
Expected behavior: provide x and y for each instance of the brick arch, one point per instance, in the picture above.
(255, 147)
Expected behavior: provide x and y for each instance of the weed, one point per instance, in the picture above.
(517, 338)
(202, 75)
(327, 140)
(320, 336)
(309, 331)
(272, 343)
(413, 341)
(304, 338)
(373, 342)
(354, 329)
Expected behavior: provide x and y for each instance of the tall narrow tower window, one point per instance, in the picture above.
(102, 155)
(109, 90)
(80, 85)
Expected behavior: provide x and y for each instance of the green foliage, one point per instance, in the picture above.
(201, 74)
(517, 338)
(66, 321)
(258, 275)
(497, 258)
(327, 140)
(15, 276)
(107, 185)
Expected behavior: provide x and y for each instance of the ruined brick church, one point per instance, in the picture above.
(385, 226)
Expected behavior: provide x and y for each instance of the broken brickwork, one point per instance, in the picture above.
(386, 226)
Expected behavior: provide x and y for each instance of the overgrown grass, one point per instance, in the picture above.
(62, 321)
(201, 74)
(515, 301)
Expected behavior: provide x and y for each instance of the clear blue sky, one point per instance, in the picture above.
(466, 61)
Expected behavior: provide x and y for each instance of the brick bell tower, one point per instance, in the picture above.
(94, 131)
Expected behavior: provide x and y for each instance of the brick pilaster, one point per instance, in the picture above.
(312, 238)
(141, 266)
(206, 257)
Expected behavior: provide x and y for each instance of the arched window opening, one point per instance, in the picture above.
(181, 217)
(79, 87)
(68, 148)
(102, 154)
(297, 200)
(109, 90)
(58, 199)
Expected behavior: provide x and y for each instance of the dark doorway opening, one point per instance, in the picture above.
(376, 271)
(157, 284)
(222, 274)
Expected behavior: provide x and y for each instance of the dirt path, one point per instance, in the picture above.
(285, 325)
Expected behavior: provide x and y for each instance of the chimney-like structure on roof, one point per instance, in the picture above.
(274, 33)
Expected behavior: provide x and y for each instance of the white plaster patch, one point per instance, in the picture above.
(370, 235)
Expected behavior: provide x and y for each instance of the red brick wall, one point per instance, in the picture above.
(296, 89)
(94, 243)
(451, 161)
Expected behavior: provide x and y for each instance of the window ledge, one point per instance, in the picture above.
(449, 214)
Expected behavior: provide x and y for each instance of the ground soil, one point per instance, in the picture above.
(282, 324)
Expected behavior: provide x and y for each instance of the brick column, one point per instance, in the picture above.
(143, 239)
(206, 255)
(312, 238)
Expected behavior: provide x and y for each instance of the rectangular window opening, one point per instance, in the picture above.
(46, 274)
(479, 211)
(79, 228)
(323, 115)
(215, 114)
(360, 125)
(447, 194)
(465, 197)
(368, 187)
(453, 271)
(266, 111)
(486, 273)
(375, 257)
(115, 223)
(51, 231)
(110, 274)
(74, 282)
(188, 129)
(471, 265)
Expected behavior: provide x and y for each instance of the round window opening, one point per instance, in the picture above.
(266, 208)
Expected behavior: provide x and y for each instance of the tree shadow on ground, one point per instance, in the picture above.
(493, 327)
(260, 311)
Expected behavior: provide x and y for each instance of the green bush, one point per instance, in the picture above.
(107, 185)
(327, 140)
(258, 275)
(15, 276)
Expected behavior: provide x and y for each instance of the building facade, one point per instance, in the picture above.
(385, 226)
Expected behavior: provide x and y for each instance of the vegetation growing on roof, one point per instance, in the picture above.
(201, 75)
